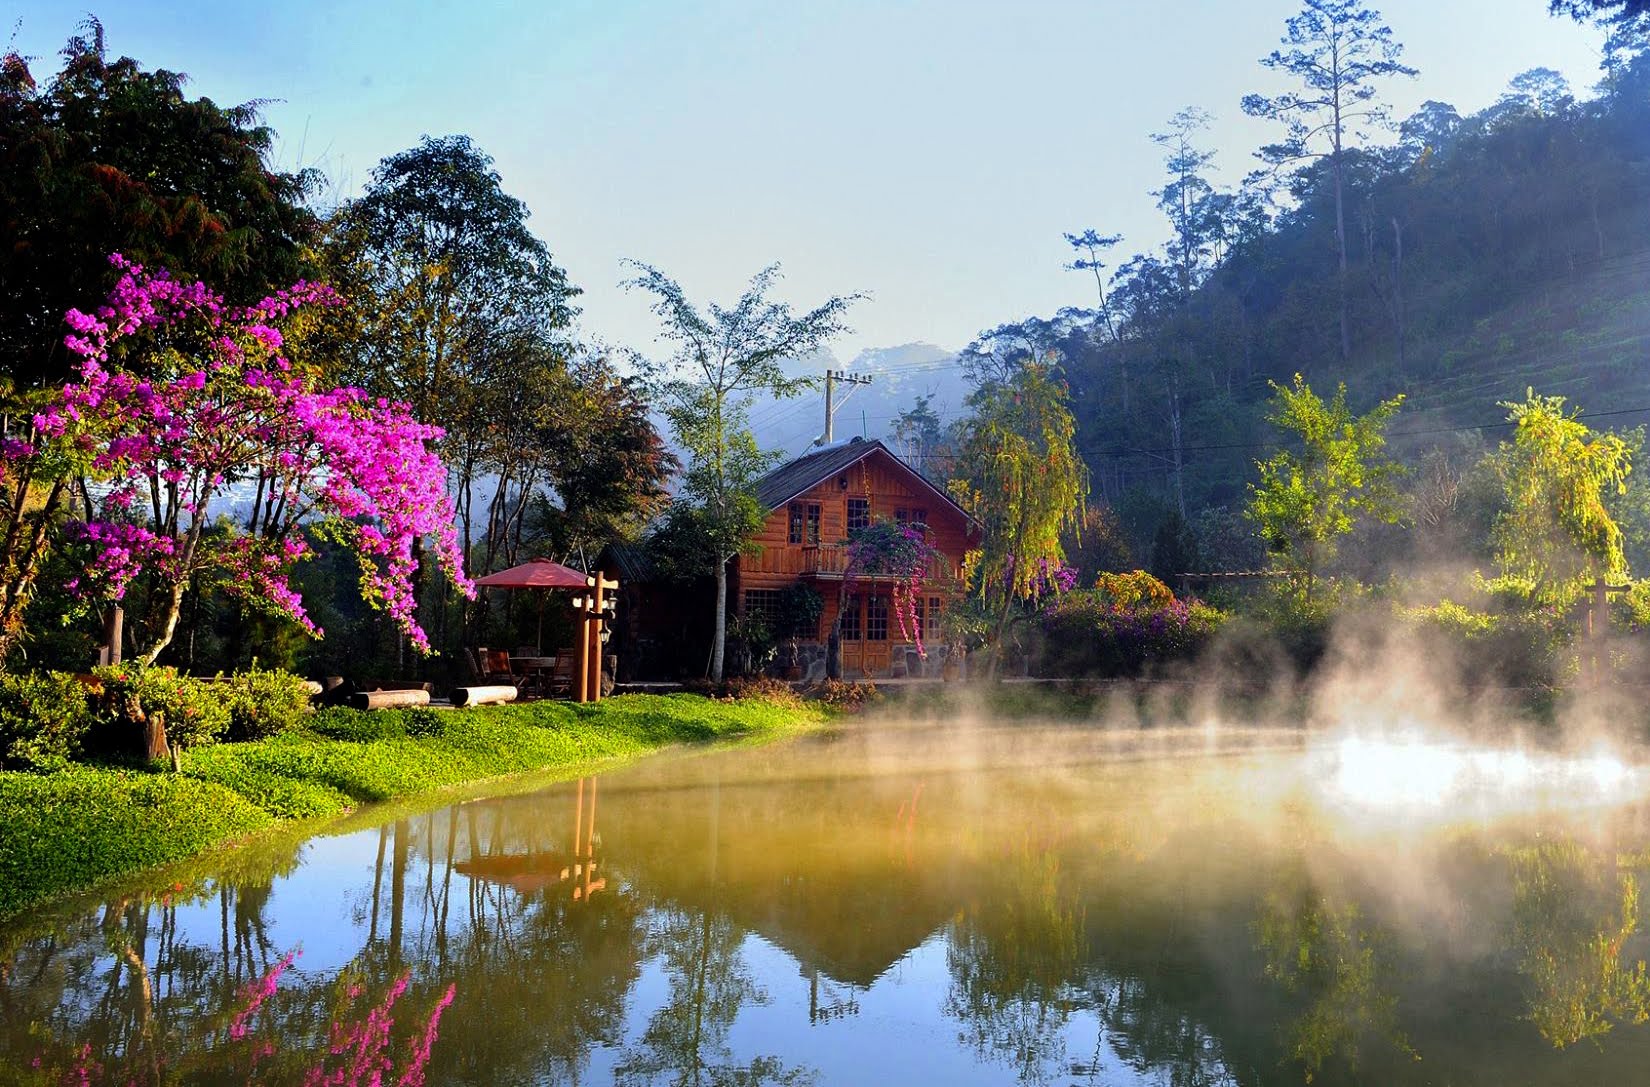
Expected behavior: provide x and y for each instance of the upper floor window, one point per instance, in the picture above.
(804, 523)
(912, 516)
(859, 514)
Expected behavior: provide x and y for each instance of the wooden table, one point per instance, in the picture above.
(535, 672)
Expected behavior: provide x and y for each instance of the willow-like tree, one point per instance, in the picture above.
(720, 358)
(1019, 476)
(1556, 531)
(1337, 49)
(1310, 497)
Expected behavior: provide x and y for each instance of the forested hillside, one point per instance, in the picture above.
(1483, 254)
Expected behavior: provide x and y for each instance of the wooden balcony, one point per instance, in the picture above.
(830, 563)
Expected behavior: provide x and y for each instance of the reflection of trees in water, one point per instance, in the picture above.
(685, 1041)
(128, 979)
(540, 977)
(1012, 955)
(1326, 955)
(1574, 910)
(1150, 1033)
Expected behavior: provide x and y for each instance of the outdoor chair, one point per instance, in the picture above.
(561, 675)
(495, 667)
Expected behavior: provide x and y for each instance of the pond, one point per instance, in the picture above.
(894, 903)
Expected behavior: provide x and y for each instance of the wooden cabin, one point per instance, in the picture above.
(814, 503)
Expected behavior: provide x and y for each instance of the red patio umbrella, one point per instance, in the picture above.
(538, 574)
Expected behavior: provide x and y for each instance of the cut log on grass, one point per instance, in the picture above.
(481, 696)
(388, 700)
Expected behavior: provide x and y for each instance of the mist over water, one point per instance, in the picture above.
(973, 892)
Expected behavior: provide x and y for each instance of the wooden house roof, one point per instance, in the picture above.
(798, 476)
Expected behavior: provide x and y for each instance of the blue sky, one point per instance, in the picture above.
(929, 152)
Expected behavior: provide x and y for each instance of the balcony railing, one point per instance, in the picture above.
(831, 562)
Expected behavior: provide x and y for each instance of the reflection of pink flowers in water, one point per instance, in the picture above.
(254, 995)
(364, 1046)
(358, 1053)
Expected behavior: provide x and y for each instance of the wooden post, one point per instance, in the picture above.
(581, 658)
(1596, 656)
(593, 632)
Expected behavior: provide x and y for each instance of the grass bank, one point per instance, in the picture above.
(68, 830)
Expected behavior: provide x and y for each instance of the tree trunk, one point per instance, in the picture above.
(169, 627)
(719, 644)
(1398, 290)
(1340, 252)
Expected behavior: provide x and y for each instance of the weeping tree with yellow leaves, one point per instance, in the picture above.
(1557, 531)
(1019, 475)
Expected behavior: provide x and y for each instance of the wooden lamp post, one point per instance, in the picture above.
(591, 609)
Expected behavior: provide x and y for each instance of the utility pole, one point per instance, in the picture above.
(831, 378)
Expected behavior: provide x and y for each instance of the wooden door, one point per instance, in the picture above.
(867, 645)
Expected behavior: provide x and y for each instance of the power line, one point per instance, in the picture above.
(1234, 446)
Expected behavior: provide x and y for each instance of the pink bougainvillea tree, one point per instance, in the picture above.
(187, 408)
(900, 554)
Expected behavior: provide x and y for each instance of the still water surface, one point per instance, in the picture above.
(888, 904)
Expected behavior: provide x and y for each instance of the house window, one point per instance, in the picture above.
(804, 523)
(918, 517)
(859, 514)
(876, 618)
(850, 618)
(763, 604)
(930, 620)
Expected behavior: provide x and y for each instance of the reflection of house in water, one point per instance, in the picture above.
(535, 869)
(830, 880)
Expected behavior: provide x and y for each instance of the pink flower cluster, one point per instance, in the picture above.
(143, 299)
(167, 422)
(119, 552)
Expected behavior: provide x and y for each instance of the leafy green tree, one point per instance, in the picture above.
(1020, 476)
(449, 285)
(1308, 499)
(721, 357)
(1557, 530)
(107, 157)
(1337, 49)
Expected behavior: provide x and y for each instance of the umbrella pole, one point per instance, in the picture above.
(540, 640)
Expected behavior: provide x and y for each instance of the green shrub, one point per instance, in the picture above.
(1097, 633)
(195, 711)
(43, 720)
(263, 703)
(1514, 649)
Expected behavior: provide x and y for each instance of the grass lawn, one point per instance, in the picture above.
(65, 831)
